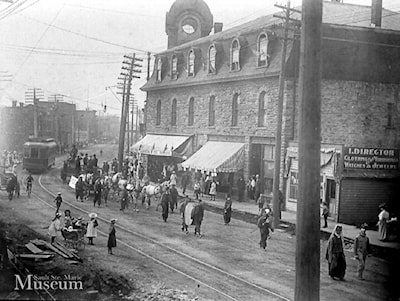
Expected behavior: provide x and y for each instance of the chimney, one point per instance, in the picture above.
(376, 13)
(218, 27)
(21, 104)
(14, 103)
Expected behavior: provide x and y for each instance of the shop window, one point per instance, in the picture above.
(211, 59)
(235, 109)
(191, 59)
(269, 152)
(174, 67)
(211, 111)
(158, 113)
(262, 47)
(262, 110)
(293, 185)
(158, 70)
(173, 112)
(235, 55)
(191, 111)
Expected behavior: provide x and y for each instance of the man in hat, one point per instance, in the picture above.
(58, 201)
(264, 225)
(165, 201)
(361, 250)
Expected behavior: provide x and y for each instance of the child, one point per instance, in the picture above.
(58, 201)
(196, 189)
(91, 231)
(361, 250)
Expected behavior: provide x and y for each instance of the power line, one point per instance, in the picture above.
(86, 36)
(41, 37)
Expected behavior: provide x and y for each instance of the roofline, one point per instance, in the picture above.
(210, 81)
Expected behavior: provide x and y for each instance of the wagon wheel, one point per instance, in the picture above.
(80, 245)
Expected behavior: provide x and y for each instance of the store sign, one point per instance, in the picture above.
(371, 158)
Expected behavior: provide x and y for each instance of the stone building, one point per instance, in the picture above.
(212, 104)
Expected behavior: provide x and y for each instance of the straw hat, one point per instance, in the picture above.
(70, 229)
(58, 214)
(59, 193)
(92, 215)
(113, 220)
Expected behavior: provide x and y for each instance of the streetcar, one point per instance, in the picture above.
(39, 154)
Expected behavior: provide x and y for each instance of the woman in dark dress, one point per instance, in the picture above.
(112, 240)
(227, 210)
(335, 254)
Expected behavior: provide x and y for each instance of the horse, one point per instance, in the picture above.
(153, 192)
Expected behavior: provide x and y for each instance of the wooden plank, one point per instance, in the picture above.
(33, 248)
(64, 249)
(51, 247)
(34, 256)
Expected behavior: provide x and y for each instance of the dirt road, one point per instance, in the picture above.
(233, 249)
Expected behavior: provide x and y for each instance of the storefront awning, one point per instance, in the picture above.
(163, 145)
(217, 156)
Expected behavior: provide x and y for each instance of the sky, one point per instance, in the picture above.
(75, 48)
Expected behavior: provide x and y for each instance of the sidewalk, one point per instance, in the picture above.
(250, 208)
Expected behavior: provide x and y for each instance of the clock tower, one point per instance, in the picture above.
(188, 20)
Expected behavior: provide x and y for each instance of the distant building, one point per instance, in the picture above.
(212, 99)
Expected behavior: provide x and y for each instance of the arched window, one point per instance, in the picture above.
(191, 111)
(158, 70)
(262, 50)
(211, 111)
(235, 109)
(262, 110)
(158, 113)
(211, 59)
(174, 67)
(191, 59)
(235, 51)
(173, 112)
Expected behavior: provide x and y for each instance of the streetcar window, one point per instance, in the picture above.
(27, 152)
(34, 153)
(43, 153)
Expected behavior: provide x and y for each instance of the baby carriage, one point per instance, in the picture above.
(74, 238)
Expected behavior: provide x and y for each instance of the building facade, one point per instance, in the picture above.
(224, 88)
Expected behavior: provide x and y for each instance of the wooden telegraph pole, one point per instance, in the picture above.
(278, 140)
(307, 283)
(125, 102)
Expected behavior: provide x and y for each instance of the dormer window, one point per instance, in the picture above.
(262, 50)
(235, 51)
(191, 58)
(211, 59)
(174, 67)
(158, 70)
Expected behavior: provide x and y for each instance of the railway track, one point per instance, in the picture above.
(224, 284)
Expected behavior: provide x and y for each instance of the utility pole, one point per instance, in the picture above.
(131, 64)
(307, 285)
(276, 203)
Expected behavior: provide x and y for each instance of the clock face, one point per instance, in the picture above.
(189, 25)
(189, 29)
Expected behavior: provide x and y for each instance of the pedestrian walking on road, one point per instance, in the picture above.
(227, 210)
(335, 254)
(198, 215)
(165, 201)
(361, 250)
(54, 227)
(383, 219)
(79, 189)
(325, 214)
(112, 240)
(91, 231)
(264, 225)
(58, 201)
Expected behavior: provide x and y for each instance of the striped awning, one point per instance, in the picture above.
(217, 156)
(162, 145)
